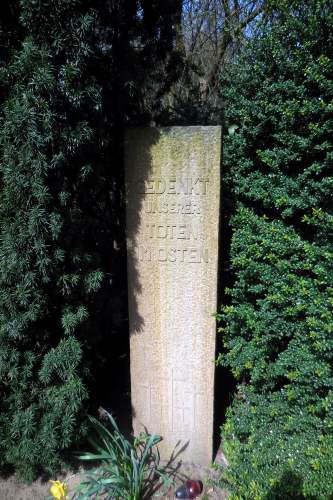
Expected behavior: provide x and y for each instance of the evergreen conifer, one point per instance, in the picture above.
(71, 79)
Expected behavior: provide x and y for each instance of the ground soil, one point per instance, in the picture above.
(12, 489)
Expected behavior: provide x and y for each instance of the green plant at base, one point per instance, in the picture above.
(128, 471)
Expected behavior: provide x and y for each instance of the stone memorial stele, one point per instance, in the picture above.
(173, 190)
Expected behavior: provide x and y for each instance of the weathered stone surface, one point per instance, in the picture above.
(173, 186)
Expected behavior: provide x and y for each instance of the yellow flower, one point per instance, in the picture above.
(58, 490)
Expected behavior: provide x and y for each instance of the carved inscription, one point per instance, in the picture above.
(186, 413)
(165, 207)
(159, 232)
(150, 395)
(189, 255)
(188, 186)
(172, 231)
(182, 408)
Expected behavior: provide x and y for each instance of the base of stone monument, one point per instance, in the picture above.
(190, 470)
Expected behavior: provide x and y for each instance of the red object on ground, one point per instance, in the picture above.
(194, 488)
(191, 489)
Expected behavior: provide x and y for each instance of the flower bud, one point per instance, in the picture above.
(58, 490)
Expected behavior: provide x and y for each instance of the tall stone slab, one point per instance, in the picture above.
(173, 187)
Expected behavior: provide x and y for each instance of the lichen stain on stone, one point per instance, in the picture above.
(171, 359)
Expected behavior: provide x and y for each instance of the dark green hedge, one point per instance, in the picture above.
(50, 266)
(72, 74)
(278, 327)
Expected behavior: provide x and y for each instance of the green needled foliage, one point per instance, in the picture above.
(278, 326)
(41, 382)
(72, 74)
